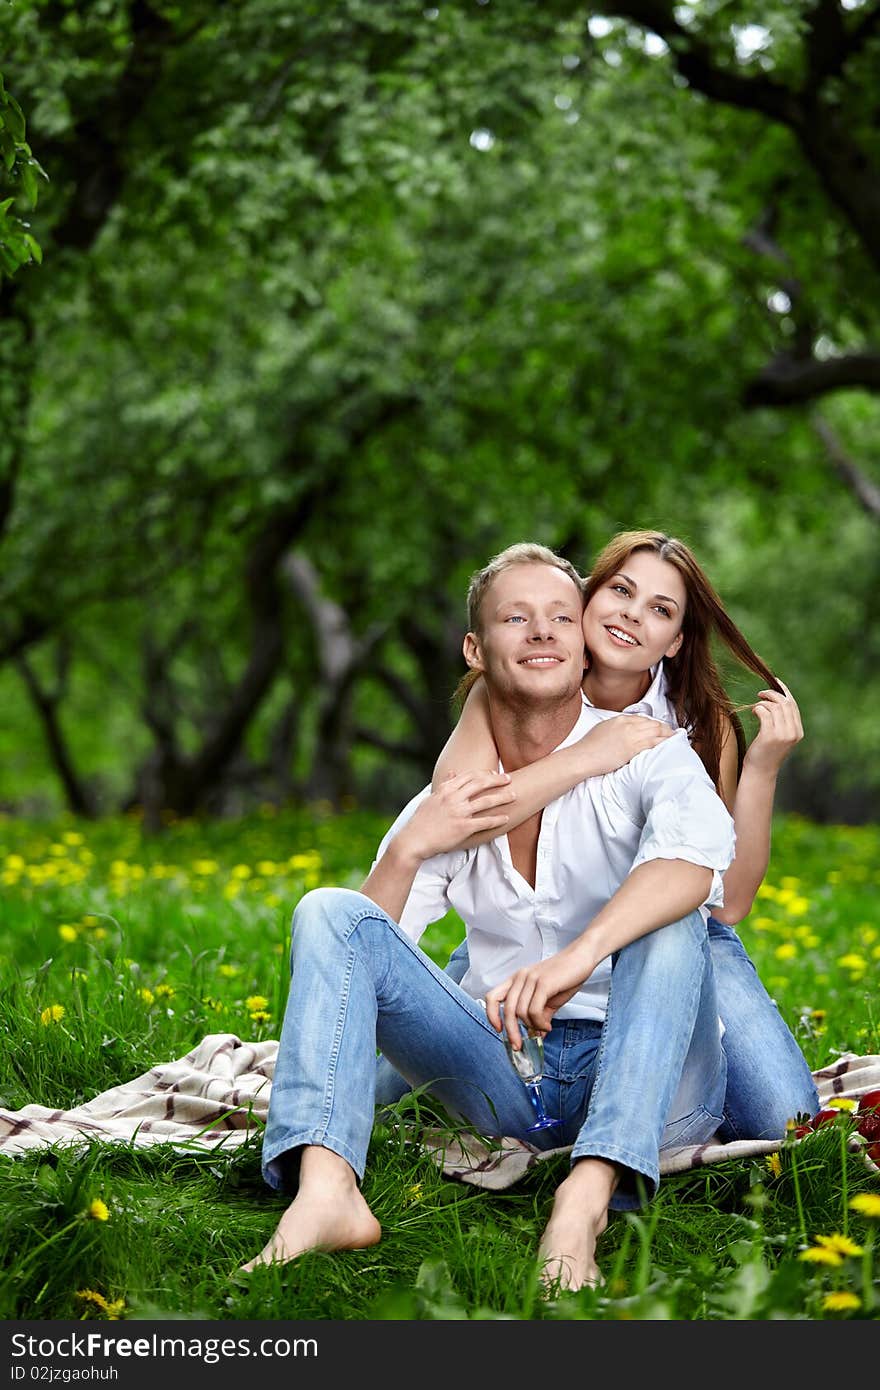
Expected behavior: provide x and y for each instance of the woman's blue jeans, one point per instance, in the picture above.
(655, 1077)
(768, 1079)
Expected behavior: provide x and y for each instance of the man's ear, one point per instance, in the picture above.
(471, 649)
(672, 650)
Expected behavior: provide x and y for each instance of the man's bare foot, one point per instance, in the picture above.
(567, 1251)
(328, 1213)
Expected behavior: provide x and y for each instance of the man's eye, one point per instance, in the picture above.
(515, 618)
(564, 618)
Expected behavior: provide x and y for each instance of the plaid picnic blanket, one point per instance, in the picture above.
(217, 1096)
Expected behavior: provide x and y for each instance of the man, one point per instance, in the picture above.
(615, 869)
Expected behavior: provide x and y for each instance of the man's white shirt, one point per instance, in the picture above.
(660, 805)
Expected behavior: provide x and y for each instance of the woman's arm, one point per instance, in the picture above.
(780, 730)
(471, 746)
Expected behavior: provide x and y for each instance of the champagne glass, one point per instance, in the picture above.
(528, 1063)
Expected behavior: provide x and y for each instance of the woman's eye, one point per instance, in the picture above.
(620, 589)
(665, 611)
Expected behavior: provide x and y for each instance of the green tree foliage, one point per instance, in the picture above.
(18, 246)
(338, 300)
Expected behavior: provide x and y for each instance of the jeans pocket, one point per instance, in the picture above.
(696, 1128)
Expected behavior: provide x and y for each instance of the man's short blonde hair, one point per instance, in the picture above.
(523, 553)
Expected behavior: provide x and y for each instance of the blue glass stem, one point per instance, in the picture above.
(544, 1120)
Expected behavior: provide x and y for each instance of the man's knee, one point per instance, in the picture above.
(323, 909)
(667, 944)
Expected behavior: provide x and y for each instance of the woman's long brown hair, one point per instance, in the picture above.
(702, 705)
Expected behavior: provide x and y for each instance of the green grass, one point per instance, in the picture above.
(149, 944)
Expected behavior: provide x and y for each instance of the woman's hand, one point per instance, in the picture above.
(615, 741)
(464, 804)
(780, 731)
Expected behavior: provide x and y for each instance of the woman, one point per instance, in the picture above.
(649, 614)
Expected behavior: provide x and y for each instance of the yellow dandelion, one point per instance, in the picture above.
(852, 961)
(15, 862)
(260, 1016)
(98, 1210)
(255, 1002)
(310, 860)
(841, 1302)
(839, 1243)
(241, 871)
(819, 1015)
(820, 1255)
(72, 837)
(53, 1014)
(267, 867)
(414, 1192)
(228, 971)
(67, 932)
(796, 906)
(774, 1164)
(146, 995)
(841, 1103)
(866, 1204)
(205, 866)
(112, 1308)
(787, 951)
(92, 1296)
(90, 920)
(165, 992)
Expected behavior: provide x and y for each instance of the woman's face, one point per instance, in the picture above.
(635, 618)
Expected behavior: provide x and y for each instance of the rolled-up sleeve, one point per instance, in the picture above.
(683, 815)
(427, 901)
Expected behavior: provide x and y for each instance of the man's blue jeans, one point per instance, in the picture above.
(656, 1078)
(768, 1079)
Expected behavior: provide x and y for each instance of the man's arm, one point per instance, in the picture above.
(686, 843)
(435, 823)
(653, 895)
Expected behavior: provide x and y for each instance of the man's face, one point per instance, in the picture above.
(530, 646)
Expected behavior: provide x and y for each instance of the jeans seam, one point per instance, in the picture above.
(329, 1093)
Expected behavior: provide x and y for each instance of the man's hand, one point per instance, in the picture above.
(464, 804)
(536, 992)
(615, 741)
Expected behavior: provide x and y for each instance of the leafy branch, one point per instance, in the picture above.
(21, 171)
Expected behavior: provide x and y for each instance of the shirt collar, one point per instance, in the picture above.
(654, 702)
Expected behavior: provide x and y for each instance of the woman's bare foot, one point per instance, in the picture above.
(580, 1214)
(327, 1213)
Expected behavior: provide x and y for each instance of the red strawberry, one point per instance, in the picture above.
(869, 1125)
(823, 1117)
(869, 1101)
